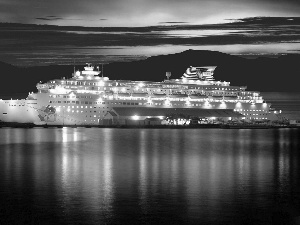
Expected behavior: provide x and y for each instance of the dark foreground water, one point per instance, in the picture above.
(149, 176)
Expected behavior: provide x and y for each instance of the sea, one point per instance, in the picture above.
(149, 176)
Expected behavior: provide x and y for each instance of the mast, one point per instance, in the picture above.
(74, 66)
(168, 75)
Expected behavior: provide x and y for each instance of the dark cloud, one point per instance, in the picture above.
(50, 18)
(53, 18)
(265, 21)
(173, 22)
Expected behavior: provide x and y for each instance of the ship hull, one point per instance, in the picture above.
(41, 111)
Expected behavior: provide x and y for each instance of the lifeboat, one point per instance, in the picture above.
(217, 97)
(197, 96)
(178, 96)
(230, 97)
(158, 95)
(124, 94)
(139, 94)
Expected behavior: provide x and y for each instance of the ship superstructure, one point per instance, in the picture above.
(88, 98)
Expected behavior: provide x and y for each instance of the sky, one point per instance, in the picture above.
(126, 30)
(133, 13)
(30, 45)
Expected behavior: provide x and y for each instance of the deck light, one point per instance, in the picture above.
(135, 117)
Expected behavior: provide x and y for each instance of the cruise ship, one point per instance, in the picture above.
(89, 98)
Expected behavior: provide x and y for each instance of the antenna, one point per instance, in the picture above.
(74, 66)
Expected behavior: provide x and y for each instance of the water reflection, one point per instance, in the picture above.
(86, 176)
(108, 171)
(163, 176)
(143, 166)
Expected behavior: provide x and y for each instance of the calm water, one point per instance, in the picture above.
(149, 176)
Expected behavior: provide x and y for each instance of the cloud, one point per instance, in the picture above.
(173, 22)
(244, 31)
(50, 18)
(257, 35)
(54, 18)
(270, 21)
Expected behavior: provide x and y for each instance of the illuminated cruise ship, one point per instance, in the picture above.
(88, 98)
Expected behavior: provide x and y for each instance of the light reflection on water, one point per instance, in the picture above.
(152, 176)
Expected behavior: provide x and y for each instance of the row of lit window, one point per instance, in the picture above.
(250, 97)
(253, 110)
(249, 92)
(171, 86)
(129, 84)
(82, 107)
(131, 103)
(78, 83)
(207, 93)
(135, 103)
(74, 102)
(77, 111)
(255, 114)
(69, 96)
(153, 89)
